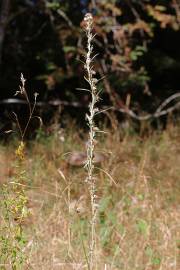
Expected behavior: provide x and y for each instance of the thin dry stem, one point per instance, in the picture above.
(91, 179)
(23, 93)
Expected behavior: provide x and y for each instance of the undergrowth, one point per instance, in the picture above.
(14, 208)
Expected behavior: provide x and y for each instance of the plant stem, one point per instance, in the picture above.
(92, 81)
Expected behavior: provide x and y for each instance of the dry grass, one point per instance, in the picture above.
(138, 189)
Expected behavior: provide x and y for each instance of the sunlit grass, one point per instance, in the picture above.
(137, 225)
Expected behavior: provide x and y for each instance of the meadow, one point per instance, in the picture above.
(106, 198)
(137, 225)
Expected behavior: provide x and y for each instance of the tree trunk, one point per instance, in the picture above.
(4, 13)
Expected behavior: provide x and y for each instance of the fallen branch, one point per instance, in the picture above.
(161, 111)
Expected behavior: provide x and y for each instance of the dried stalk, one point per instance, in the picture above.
(91, 180)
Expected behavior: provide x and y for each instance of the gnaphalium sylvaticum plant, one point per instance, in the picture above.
(93, 129)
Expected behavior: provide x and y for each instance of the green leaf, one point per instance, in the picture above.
(50, 66)
(156, 261)
(69, 49)
(142, 226)
(149, 251)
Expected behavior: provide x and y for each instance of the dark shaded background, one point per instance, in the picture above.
(138, 44)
